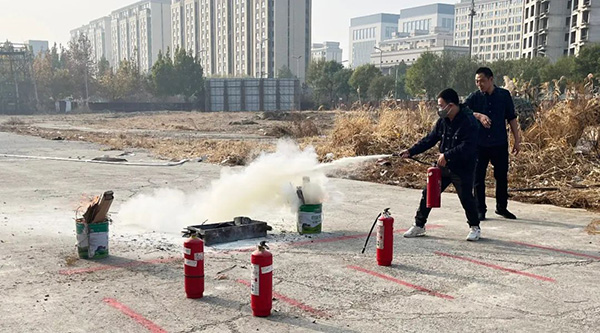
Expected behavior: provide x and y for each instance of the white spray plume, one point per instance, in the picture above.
(267, 184)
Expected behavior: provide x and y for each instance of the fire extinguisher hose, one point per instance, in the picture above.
(370, 231)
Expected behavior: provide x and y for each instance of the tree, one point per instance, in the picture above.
(588, 61)
(103, 66)
(381, 87)
(327, 85)
(285, 73)
(362, 77)
(188, 80)
(529, 70)
(563, 67)
(399, 73)
(53, 81)
(342, 86)
(501, 68)
(125, 84)
(462, 76)
(423, 77)
(162, 75)
(81, 66)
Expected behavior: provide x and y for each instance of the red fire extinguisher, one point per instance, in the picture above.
(434, 187)
(261, 286)
(193, 268)
(385, 238)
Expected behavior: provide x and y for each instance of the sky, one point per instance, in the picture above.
(51, 20)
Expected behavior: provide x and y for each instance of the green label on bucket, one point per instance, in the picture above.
(92, 240)
(310, 218)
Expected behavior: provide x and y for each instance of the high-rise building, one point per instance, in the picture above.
(327, 51)
(367, 32)
(545, 29)
(140, 31)
(245, 37)
(497, 28)
(584, 25)
(98, 32)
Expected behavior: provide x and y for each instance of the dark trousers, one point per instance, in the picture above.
(498, 156)
(464, 189)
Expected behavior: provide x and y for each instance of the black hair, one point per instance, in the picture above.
(449, 95)
(485, 71)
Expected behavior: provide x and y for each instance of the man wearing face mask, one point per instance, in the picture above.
(457, 131)
(493, 107)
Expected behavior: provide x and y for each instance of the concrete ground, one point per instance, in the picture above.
(536, 274)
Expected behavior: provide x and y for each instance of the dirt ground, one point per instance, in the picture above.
(235, 138)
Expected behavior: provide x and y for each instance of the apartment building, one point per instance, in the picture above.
(584, 27)
(546, 29)
(366, 32)
(98, 32)
(326, 51)
(245, 37)
(140, 31)
(497, 28)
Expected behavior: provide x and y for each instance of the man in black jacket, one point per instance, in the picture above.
(493, 107)
(457, 131)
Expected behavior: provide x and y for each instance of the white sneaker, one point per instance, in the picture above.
(474, 234)
(414, 231)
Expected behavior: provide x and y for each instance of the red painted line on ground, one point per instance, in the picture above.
(510, 270)
(578, 254)
(398, 281)
(291, 301)
(117, 266)
(152, 327)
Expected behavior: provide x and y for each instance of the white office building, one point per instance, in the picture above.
(408, 48)
(426, 18)
(326, 51)
(367, 32)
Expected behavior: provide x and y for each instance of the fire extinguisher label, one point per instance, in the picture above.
(380, 235)
(266, 269)
(191, 263)
(255, 282)
(199, 256)
(187, 251)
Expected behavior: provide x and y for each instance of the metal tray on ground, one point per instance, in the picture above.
(231, 231)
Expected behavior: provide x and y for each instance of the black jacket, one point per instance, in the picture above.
(499, 107)
(458, 141)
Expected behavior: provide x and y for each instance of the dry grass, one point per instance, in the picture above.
(548, 158)
(14, 121)
(299, 126)
(593, 228)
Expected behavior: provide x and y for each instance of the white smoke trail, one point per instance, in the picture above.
(267, 184)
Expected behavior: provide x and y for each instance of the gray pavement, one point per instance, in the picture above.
(536, 274)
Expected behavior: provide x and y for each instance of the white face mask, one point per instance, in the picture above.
(443, 112)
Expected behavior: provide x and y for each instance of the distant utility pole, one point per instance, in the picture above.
(471, 14)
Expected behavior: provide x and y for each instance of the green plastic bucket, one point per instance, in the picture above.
(310, 219)
(92, 240)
